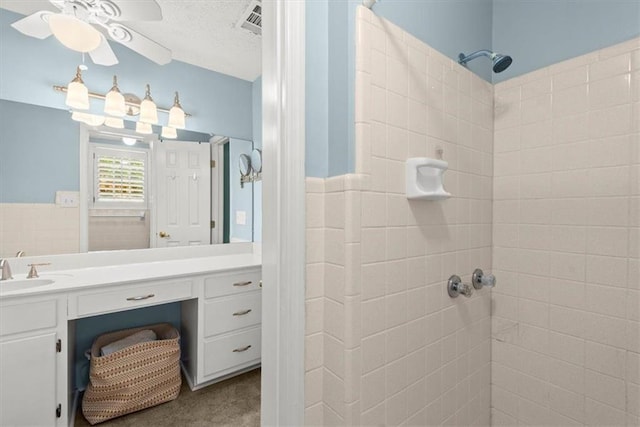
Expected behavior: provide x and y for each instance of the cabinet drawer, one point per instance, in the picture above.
(224, 353)
(230, 313)
(232, 283)
(125, 298)
(28, 317)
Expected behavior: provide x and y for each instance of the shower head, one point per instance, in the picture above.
(500, 62)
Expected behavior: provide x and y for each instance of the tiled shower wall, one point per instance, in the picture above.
(385, 343)
(38, 229)
(566, 231)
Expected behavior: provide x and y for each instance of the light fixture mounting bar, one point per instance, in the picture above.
(63, 89)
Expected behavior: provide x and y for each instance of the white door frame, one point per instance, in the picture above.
(283, 254)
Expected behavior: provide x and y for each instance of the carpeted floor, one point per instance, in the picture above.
(234, 402)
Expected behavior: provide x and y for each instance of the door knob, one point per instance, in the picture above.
(164, 235)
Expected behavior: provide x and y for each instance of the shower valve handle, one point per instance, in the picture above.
(455, 287)
(480, 280)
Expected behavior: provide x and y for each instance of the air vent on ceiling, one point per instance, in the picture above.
(251, 18)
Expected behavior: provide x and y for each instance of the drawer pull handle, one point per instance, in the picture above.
(240, 350)
(141, 297)
(247, 283)
(242, 313)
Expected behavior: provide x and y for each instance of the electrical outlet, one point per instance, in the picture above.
(67, 199)
(241, 218)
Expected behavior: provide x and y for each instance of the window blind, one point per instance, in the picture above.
(119, 178)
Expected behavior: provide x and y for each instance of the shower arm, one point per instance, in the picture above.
(462, 59)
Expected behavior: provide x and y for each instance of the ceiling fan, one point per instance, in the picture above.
(81, 25)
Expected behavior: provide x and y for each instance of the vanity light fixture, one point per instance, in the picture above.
(144, 128)
(77, 93)
(114, 101)
(148, 109)
(119, 105)
(176, 114)
(169, 132)
(89, 119)
(114, 122)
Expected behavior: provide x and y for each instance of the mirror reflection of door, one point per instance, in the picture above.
(183, 197)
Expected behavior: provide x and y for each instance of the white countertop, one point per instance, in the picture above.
(84, 278)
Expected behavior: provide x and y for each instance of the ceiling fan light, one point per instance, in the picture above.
(169, 132)
(89, 119)
(77, 93)
(114, 104)
(114, 122)
(74, 33)
(148, 109)
(176, 114)
(144, 128)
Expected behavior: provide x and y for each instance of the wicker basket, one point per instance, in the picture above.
(134, 378)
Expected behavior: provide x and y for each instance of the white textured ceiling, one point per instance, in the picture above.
(198, 32)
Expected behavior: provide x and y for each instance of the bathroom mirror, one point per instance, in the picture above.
(40, 165)
(256, 160)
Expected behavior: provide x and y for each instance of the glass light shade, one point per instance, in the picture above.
(114, 122)
(148, 112)
(169, 132)
(89, 119)
(148, 109)
(74, 33)
(129, 141)
(77, 95)
(176, 114)
(176, 118)
(144, 128)
(114, 104)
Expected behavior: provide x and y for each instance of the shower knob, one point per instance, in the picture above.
(455, 287)
(480, 280)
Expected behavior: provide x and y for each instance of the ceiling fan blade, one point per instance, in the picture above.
(103, 55)
(126, 10)
(34, 25)
(139, 43)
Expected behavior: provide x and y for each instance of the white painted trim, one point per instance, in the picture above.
(283, 106)
(84, 188)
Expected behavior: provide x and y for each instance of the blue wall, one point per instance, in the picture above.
(241, 198)
(29, 67)
(317, 89)
(39, 153)
(449, 26)
(543, 32)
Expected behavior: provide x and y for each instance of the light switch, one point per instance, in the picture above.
(67, 199)
(241, 217)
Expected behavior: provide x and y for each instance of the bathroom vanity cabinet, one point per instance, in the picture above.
(31, 361)
(220, 332)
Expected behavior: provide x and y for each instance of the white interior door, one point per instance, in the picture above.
(183, 194)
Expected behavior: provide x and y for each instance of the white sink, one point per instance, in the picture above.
(16, 284)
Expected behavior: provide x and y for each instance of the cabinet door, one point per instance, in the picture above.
(28, 381)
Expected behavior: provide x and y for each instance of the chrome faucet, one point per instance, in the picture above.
(6, 269)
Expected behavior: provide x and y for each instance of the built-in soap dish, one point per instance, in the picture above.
(425, 180)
